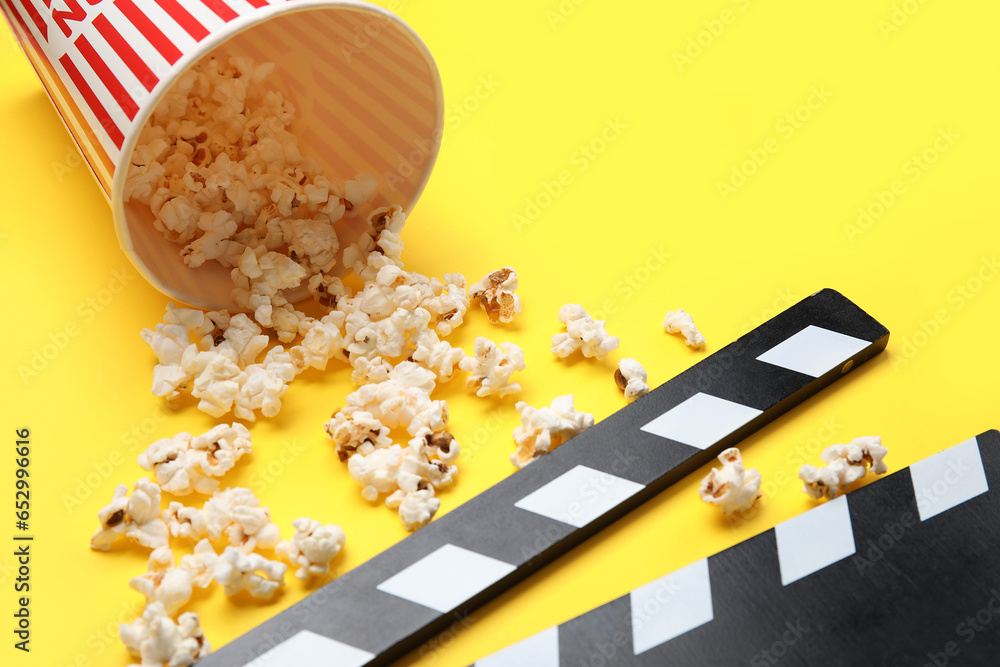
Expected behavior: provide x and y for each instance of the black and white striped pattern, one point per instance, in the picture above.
(903, 571)
(402, 597)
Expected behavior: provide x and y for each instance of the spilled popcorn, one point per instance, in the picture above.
(157, 639)
(137, 518)
(544, 429)
(583, 333)
(232, 518)
(238, 571)
(630, 377)
(312, 548)
(186, 464)
(732, 488)
(845, 464)
(681, 322)
(491, 367)
(236, 515)
(165, 584)
(496, 294)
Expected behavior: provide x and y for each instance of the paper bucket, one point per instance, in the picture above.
(366, 89)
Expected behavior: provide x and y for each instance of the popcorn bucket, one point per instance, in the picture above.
(366, 89)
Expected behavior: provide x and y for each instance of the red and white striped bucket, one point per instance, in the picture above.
(366, 88)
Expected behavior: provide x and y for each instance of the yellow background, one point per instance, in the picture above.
(560, 73)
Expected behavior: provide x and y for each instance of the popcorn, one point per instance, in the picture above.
(220, 369)
(359, 431)
(245, 338)
(217, 383)
(185, 464)
(496, 295)
(223, 175)
(260, 278)
(582, 333)
(136, 517)
(163, 583)
(630, 377)
(821, 481)
(491, 367)
(264, 384)
(360, 191)
(415, 508)
(184, 522)
(312, 548)
(217, 227)
(730, 487)
(449, 303)
(322, 340)
(386, 224)
(408, 475)
(435, 354)
(171, 341)
(201, 563)
(680, 322)
(544, 429)
(402, 400)
(376, 471)
(327, 290)
(442, 446)
(312, 239)
(367, 371)
(236, 515)
(239, 571)
(171, 337)
(157, 639)
(845, 464)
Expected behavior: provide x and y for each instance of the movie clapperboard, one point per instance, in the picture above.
(904, 571)
(394, 602)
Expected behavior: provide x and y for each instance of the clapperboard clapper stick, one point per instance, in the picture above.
(900, 572)
(391, 604)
